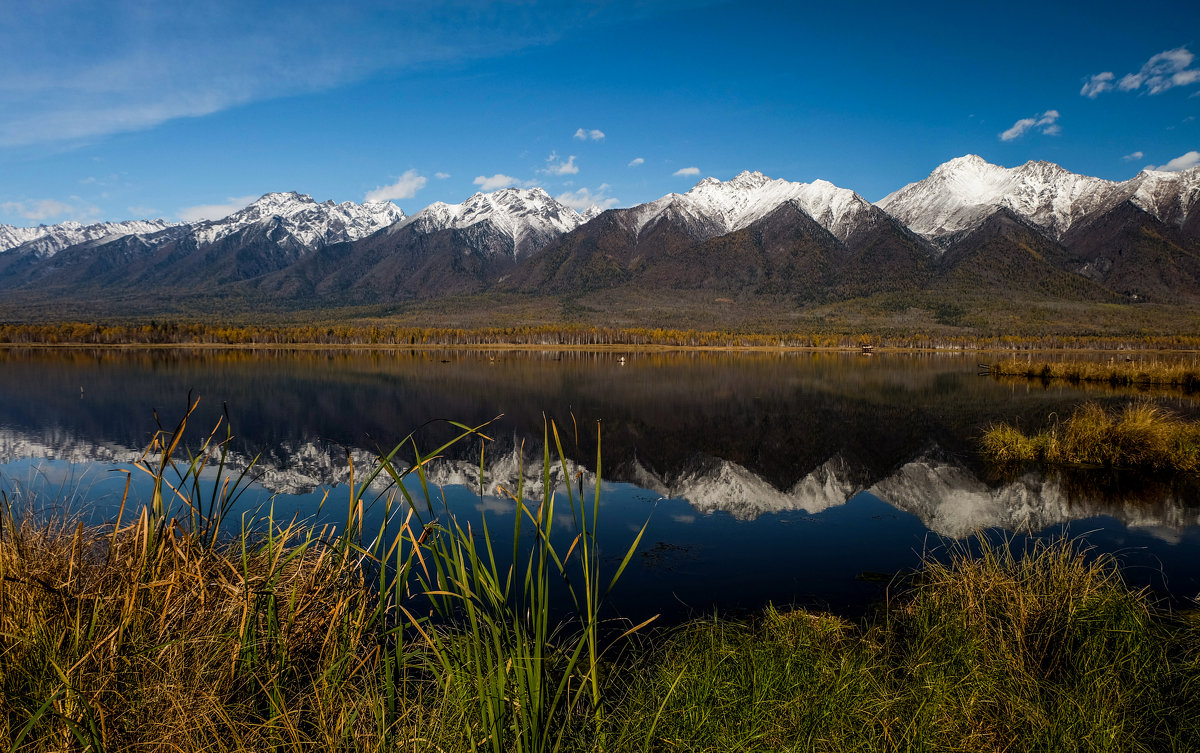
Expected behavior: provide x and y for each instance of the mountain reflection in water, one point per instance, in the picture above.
(727, 443)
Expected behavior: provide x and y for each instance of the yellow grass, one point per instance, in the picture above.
(1141, 435)
(1184, 375)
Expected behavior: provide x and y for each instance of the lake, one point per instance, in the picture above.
(782, 477)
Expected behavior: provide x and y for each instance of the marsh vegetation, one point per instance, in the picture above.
(1140, 435)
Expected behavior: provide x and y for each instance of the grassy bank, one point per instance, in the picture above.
(1139, 436)
(173, 629)
(988, 652)
(1118, 373)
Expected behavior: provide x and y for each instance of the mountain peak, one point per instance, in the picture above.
(713, 206)
(528, 217)
(966, 159)
(749, 179)
(281, 198)
(305, 222)
(960, 194)
(45, 241)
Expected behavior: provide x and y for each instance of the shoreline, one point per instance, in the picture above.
(607, 348)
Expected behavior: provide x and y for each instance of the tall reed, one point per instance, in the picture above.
(527, 683)
(178, 627)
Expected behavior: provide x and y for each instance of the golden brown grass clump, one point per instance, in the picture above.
(1140, 436)
(145, 636)
(1185, 376)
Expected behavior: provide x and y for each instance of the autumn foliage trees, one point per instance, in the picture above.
(554, 336)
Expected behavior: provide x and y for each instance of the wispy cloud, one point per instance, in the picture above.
(73, 72)
(593, 134)
(1047, 122)
(441, 175)
(404, 188)
(1166, 70)
(214, 211)
(499, 180)
(1097, 85)
(636, 161)
(1182, 162)
(41, 210)
(685, 171)
(555, 166)
(1133, 156)
(583, 198)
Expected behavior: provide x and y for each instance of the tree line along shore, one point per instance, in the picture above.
(154, 332)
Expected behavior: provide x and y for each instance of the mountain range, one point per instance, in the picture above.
(971, 230)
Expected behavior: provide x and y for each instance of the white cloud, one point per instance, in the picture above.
(214, 211)
(1133, 155)
(1182, 162)
(441, 176)
(1166, 70)
(499, 180)
(404, 188)
(144, 213)
(584, 198)
(687, 171)
(595, 134)
(636, 161)
(555, 166)
(1097, 84)
(50, 209)
(1047, 121)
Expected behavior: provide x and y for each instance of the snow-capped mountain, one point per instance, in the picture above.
(45, 241)
(305, 222)
(11, 236)
(529, 217)
(717, 207)
(960, 194)
(1171, 197)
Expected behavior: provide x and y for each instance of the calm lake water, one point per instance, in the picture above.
(792, 478)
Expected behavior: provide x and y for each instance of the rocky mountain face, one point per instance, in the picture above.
(295, 220)
(750, 235)
(525, 219)
(1040, 229)
(273, 232)
(962, 193)
(970, 229)
(44, 241)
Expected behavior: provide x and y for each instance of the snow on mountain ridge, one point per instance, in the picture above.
(45, 241)
(1171, 197)
(960, 194)
(724, 207)
(12, 236)
(530, 217)
(310, 224)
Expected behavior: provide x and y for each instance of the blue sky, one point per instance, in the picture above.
(116, 110)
